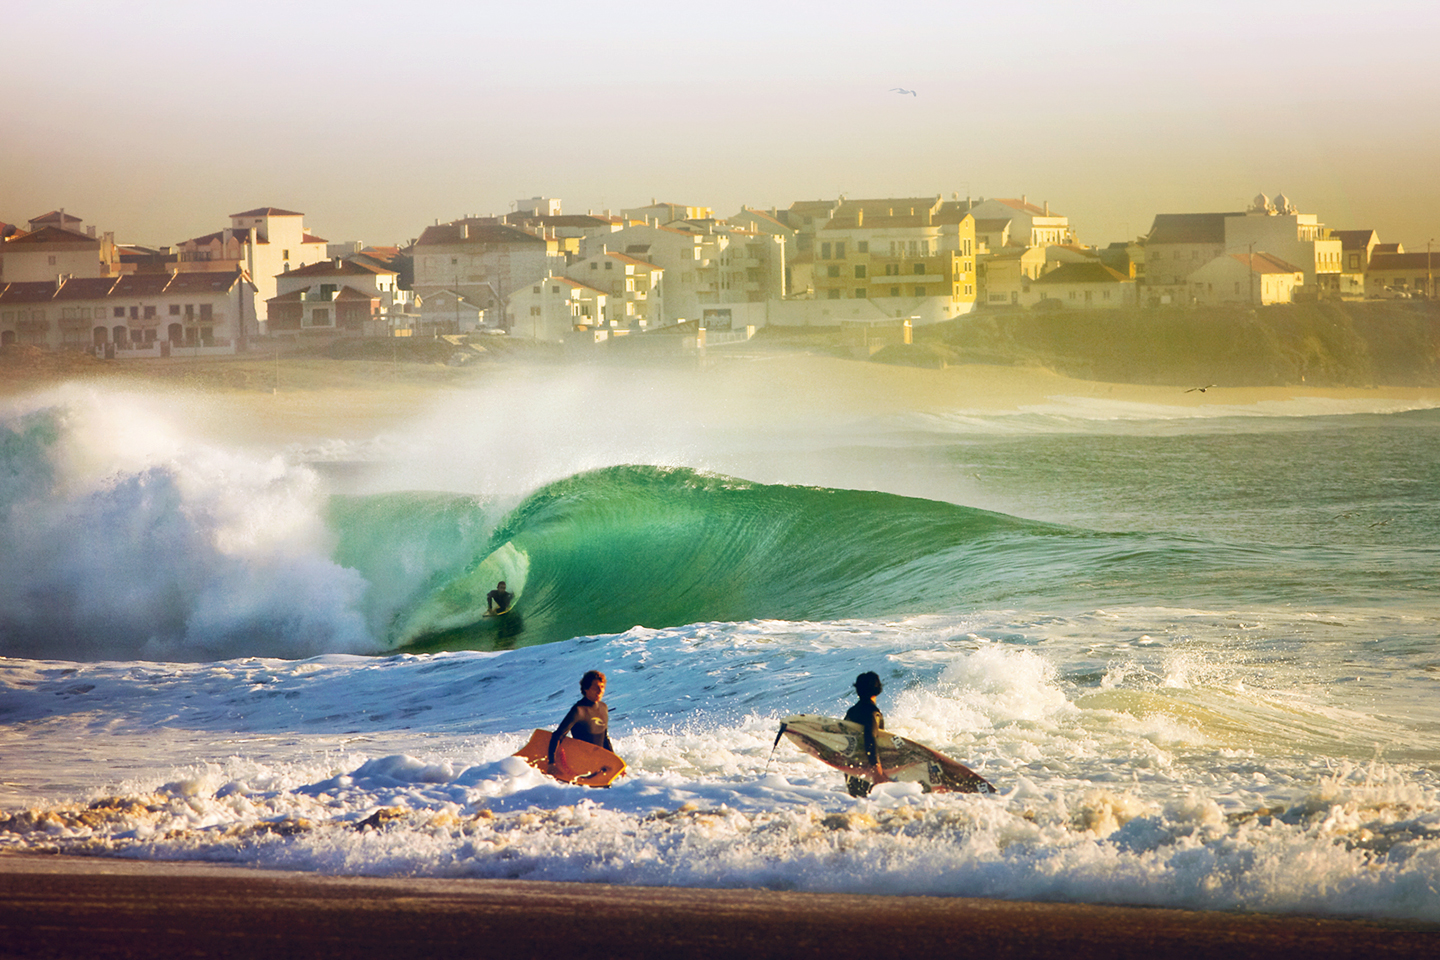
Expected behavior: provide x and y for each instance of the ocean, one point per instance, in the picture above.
(1195, 645)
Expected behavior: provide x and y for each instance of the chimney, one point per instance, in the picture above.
(860, 217)
(1022, 200)
(1047, 208)
(464, 231)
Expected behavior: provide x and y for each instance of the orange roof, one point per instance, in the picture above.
(268, 212)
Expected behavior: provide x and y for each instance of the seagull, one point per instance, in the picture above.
(903, 90)
(1200, 389)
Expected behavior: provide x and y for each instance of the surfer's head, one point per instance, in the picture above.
(868, 684)
(500, 585)
(593, 678)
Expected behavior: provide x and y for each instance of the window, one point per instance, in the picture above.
(52, 261)
(596, 266)
(862, 246)
(534, 311)
(970, 289)
(859, 293)
(834, 294)
(919, 291)
(286, 256)
(174, 309)
(833, 270)
(555, 289)
(149, 313)
(894, 291)
(206, 313)
(609, 264)
(825, 250)
(920, 268)
(840, 250)
(118, 312)
(859, 271)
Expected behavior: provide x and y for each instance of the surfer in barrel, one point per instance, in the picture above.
(868, 715)
(498, 601)
(588, 719)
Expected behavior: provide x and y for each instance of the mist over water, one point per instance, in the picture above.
(1195, 647)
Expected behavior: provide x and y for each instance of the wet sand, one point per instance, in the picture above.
(94, 908)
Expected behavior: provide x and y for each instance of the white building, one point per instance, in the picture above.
(1257, 279)
(264, 242)
(553, 308)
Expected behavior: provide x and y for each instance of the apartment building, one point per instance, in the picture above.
(264, 242)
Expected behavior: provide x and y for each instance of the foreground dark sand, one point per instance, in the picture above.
(82, 907)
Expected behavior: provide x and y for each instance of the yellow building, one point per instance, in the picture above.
(911, 258)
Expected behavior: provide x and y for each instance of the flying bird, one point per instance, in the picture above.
(903, 90)
(1200, 389)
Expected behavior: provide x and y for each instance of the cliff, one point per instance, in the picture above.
(1359, 344)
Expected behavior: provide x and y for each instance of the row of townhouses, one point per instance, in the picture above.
(539, 273)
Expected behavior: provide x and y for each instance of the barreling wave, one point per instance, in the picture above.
(603, 551)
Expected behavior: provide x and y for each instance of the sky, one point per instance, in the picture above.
(158, 119)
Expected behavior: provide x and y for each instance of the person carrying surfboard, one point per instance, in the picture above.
(498, 601)
(588, 719)
(868, 715)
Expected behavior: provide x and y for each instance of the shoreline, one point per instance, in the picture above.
(67, 906)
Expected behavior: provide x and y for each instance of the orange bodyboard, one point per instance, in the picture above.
(576, 761)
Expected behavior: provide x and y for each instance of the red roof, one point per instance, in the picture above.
(345, 268)
(268, 212)
(53, 235)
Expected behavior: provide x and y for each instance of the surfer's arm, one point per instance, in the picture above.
(562, 730)
(872, 748)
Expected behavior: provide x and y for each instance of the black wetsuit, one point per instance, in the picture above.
(868, 715)
(501, 600)
(588, 720)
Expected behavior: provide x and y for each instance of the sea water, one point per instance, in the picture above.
(1196, 648)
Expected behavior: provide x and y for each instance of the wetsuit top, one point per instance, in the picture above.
(588, 720)
(868, 716)
(500, 598)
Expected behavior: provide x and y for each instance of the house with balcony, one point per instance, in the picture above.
(132, 315)
(908, 258)
(336, 296)
(633, 287)
(1025, 223)
(707, 264)
(264, 243)
(483, 262)
(555, 308)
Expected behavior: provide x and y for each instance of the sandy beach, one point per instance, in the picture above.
(76, 907)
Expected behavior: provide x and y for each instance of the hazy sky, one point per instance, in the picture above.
(158, 119)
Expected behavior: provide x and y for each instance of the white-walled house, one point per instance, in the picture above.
(1084, 286)
(351, 296)
(264, 242)
(633, 287)
(1259, 279)
(52, 251)
(482, 261)
(143, 314)
(553, 307)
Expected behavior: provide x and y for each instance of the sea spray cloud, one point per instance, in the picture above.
(121, 538)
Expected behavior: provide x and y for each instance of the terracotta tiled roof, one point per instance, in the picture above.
(140, 285)
(38, 291)
(311, 238)
(447, 233)
(268, 212)
(52, 235)
(55, 216)
(204, 282)
(1082, 273)
(626, 258)
(1265, 263)
(345, 268)
(1405, 261)
(350, 293)
(86, 288)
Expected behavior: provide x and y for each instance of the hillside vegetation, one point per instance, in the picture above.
(1374, 343)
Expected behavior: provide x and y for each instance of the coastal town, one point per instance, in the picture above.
(584, 279)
